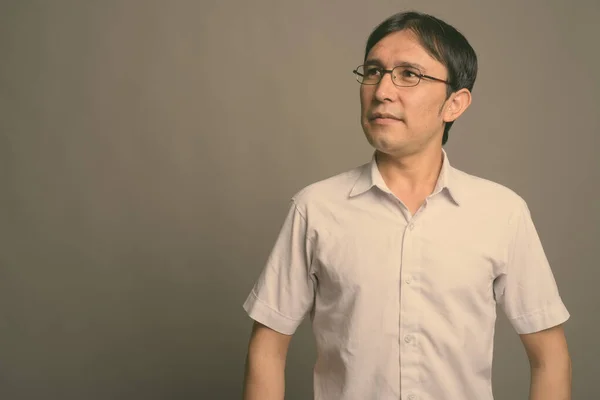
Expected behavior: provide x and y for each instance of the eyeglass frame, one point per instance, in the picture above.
(385, 71)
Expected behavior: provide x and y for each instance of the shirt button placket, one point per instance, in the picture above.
(409, 373)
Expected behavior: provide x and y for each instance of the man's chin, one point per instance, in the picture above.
(384, 133)
(382, 143)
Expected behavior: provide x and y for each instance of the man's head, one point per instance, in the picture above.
(423, 98)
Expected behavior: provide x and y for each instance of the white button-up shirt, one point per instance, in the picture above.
(404, 306)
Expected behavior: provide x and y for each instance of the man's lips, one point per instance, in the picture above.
(383, 117)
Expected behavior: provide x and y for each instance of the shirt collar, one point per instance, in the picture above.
(370, 177)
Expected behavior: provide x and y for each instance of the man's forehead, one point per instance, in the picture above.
(400, 47)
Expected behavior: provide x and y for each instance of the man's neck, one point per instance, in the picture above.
(414, 174)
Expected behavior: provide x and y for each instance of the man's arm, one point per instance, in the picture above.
(265, 364)
(550, 364)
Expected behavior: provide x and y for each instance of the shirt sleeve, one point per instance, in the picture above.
(284, 291)
(527, 290)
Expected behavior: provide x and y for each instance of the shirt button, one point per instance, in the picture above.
(411, 226)
(412, 397)
(408, 339)
(408, 281)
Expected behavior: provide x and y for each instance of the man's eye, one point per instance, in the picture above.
(371, 71)
(407, 73)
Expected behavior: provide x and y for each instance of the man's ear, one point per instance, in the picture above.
(458, 102)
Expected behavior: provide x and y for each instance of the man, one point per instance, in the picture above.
(400, 263)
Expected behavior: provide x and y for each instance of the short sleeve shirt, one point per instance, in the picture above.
(404, 306)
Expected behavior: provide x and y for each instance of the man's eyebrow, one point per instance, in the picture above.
(377, 62)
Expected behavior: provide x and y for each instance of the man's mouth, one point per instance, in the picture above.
(383, 117)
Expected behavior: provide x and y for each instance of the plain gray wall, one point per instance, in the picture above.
(148, 150)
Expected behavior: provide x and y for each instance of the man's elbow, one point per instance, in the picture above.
(554, 362)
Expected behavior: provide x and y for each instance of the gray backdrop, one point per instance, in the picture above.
(148, 150)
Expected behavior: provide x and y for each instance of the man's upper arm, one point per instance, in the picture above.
(544, 346)
(527, 291)
(268, 342)
(284, 292)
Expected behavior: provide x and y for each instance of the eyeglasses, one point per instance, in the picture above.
(402, 76)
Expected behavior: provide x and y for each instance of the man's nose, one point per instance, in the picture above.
(385, 88)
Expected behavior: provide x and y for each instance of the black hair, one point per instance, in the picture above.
(442, 41)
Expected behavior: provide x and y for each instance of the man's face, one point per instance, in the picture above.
(417, 118)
